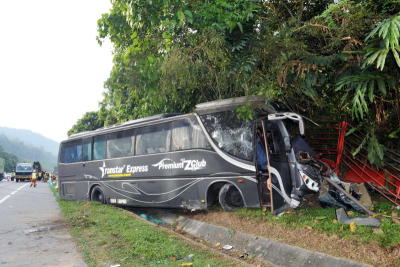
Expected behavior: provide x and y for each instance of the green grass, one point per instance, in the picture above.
(323, 220)
(109, 235)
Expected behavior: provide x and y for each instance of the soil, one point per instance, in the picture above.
(369, 253)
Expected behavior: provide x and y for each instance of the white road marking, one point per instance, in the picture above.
(12, 193)
(19, 188)
(4, 199)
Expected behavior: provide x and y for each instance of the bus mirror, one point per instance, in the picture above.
(288, 145)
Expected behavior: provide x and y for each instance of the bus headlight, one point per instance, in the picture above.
(310, 183)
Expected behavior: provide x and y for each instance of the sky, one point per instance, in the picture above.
(52, 69)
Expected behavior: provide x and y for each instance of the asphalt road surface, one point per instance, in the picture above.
(32, 229)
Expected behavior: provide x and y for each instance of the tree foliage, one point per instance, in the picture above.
(10, 160)
(323, 58)
(89, 121)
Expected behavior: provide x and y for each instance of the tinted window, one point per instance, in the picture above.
(231, 134)
(181, 136)
(153, 139)
(120, 145)
(187, 134)
(99, 148)
(87, 150)
(71, 152)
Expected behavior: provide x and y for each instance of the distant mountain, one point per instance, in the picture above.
(30, 138)
(27, 152)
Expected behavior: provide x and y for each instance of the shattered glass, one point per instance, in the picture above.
(230, 134)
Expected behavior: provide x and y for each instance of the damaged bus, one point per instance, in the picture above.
(190, 160)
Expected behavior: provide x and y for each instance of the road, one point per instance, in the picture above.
(32, 229)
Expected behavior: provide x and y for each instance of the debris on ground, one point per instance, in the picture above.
(227, 247)
(353, 226)
(151, 219)
(188, 258)
(342, 217)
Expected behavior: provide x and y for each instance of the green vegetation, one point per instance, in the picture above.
(108, 235)
(323, 220)
(321, 58)
(10, 160)
(89, 121)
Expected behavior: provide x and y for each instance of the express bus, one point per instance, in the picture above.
(186, 161)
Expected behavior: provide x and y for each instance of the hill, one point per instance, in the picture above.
(31, 139)
(10, 160)
(26, 152)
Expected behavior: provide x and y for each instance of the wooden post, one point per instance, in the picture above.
(269, 181)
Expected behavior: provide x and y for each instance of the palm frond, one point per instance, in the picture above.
(363, 88)
(388, 31)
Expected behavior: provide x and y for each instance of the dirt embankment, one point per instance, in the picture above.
(370, 253)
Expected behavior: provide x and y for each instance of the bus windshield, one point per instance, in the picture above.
(230, 134)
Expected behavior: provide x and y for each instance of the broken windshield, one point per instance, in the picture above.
(230, 134)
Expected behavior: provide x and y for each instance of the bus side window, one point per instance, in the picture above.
(99, 147)
(71, 152)
(199, 139)
(187, 134)
(87, 150)
(120, 144)
(181, 137)
(153, 139)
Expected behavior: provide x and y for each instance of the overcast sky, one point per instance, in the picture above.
(52, 70)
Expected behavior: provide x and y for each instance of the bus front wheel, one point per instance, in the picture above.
(230, 198)
(97, 195)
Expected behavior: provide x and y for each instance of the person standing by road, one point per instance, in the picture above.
(34, 178)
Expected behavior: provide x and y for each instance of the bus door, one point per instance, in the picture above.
(271, 160)
(277, 147)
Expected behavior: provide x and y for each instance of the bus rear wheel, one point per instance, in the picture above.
(230, 198)
(97, 195)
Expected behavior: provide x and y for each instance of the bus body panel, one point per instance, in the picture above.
(176, 179)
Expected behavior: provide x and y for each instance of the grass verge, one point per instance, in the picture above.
(323, 220)
(108, 235)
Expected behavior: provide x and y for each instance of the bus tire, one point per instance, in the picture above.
(230, 198)
(97, 195)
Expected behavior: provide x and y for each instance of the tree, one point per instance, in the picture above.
(318, 57)
(90, 121)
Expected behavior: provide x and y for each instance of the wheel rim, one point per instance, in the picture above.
(234, 198)
(98, 196)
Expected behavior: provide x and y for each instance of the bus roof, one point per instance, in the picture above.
(228, 104)
(203, 108)
(124, 124)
